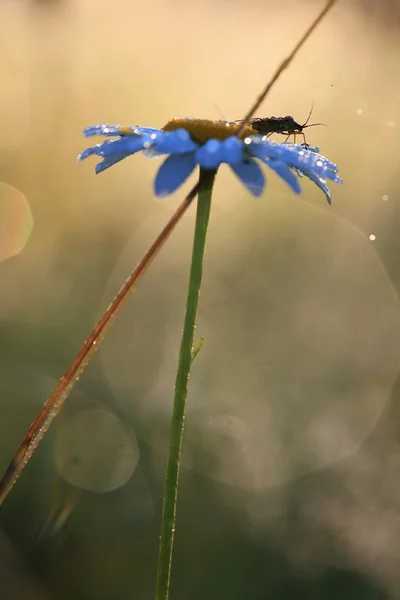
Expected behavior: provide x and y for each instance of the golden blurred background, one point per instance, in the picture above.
(290, 486)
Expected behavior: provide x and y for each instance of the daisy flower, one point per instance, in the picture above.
(190, 142)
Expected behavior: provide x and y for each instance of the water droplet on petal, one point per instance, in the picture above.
(16, 221)
(372, 237)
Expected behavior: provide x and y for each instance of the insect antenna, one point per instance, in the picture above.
(314, 124)
(219, 111)
(308, 118)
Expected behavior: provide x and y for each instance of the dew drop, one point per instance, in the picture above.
(372, 237)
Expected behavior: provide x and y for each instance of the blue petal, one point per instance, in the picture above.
(310, 148)
(306, 159)
(173, 172)
(282, 169)
(261, 147)
(210, 155)
(302, 160)
(171, 142)
(109, 161)
(251, 175)
(114, 150)
(318, 168)
(292, 154)
(113, 130)
(149, 130)
(321, 184)
(232, 150)
(89, 152)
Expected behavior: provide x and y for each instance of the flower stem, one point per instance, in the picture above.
(181, 386)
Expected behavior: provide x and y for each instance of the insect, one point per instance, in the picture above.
(283, 125)
(202, 129)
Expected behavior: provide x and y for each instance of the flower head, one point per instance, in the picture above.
(191, 142)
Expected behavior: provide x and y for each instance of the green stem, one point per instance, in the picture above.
(181, 386)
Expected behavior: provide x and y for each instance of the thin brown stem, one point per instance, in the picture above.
(284, 65)
(61, 392)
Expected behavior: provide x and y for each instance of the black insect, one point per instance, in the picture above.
(283, 125)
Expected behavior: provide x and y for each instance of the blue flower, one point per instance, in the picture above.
(188, 147)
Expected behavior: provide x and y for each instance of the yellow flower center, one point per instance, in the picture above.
(201, 130)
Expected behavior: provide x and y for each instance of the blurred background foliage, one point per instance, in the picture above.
(290, 486)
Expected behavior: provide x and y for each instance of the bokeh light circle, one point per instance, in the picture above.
(302, 341)
(16, 221)
(96, 451)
